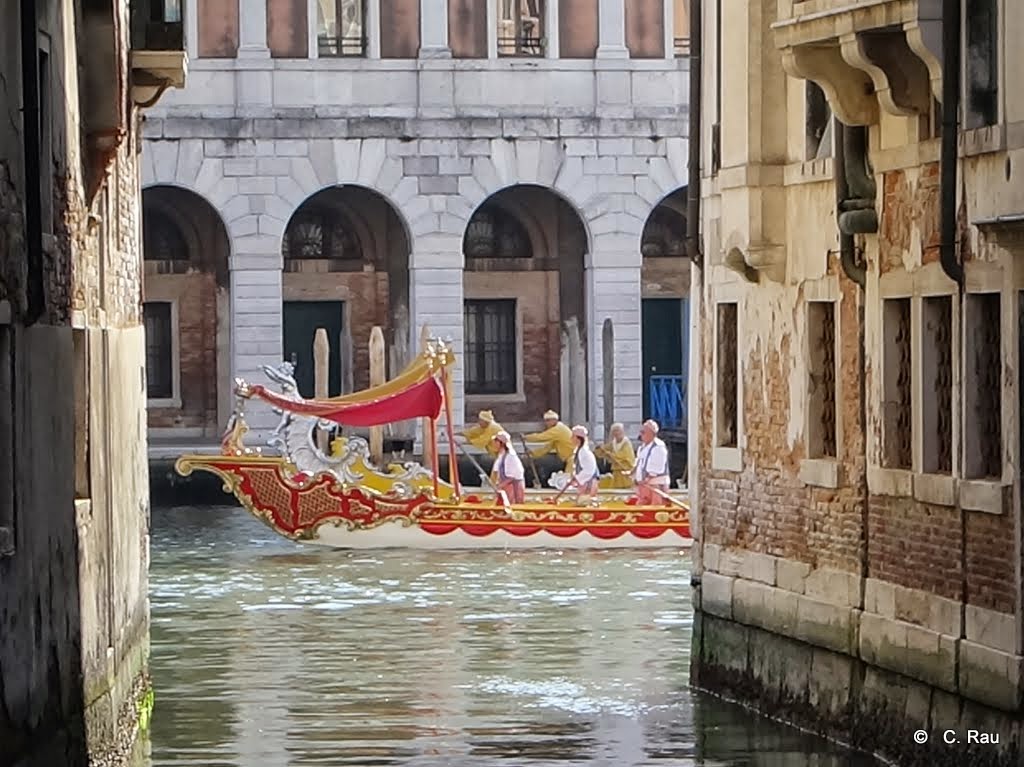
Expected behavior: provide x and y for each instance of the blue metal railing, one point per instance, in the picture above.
(668, 401)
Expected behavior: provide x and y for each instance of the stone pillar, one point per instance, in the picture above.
(372, 23)
(252, 29)
(611, 40)
(613, 292)
(434, 29)
(256, 324)
(551, 30)
(435, 299)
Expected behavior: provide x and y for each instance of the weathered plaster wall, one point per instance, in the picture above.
(74, 499)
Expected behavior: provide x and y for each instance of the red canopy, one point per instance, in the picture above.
(421, 400)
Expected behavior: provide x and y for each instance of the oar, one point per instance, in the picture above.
(483, 474)
(533, 464)
(667, 497)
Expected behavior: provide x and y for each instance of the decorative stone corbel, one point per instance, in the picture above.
(924, 37)
(899, 76)
(849, 90)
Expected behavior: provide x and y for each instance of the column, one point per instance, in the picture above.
(492, 29)
(252, 31)
(551, 30)
(434, 29)
(613, 291)
(372, 22)
(191, 12)
(435, 299)
(313, 27)
(611, 35)
(256, 338)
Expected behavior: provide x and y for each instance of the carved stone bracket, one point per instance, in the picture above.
(924, 37)
(900, 77)
(849, 90)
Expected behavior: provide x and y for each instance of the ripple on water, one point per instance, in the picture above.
(267, 654)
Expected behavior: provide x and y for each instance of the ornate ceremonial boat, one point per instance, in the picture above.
(337, 497)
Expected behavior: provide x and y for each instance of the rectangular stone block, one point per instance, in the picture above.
(931, 657)
(716, 593)
(439, 185)
(924, 609)
(615, 147)
(758, 567)
(273, 166)
(599, 166)
(632, 166)
(475, 147)
(991, 628)
(291, 147)
(420, 166)
(711, 554)
(836, 587)
(750, 602)
(826, 625)
(581, 147)
(880, 598)
(791, 575)
(991, 677)
(240, 167)
(454, 166)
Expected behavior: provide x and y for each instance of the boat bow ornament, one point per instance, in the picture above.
(340, 498)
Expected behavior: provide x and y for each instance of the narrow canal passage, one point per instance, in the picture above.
(268, 654)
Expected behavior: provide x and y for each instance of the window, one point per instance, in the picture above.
(521, 27)
(818, 123)
(495, 233)
(821, 383)
(319, 233)
(681, 28)
(161, 238)
(897, 448)
(6, 435)
(45, 137)
(79, 339)
(727, 378)
(341, 28)
(937, 384)
(981, 68)
(491, 347)
(159, 350)
(983, 412)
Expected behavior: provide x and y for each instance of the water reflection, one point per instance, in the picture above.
(270, 655)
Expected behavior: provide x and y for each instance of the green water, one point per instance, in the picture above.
(270, 654)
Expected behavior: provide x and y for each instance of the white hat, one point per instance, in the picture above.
(503, 437)
(486, 415)
(579, 431)
(652, 425)
(551, 415)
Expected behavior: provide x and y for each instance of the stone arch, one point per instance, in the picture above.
(665, 293)
(187, 308)
(532, 304)
(347, 245)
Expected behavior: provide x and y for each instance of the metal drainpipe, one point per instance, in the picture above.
(847, 252)
(35, 295)
(693, 182)
(950, 132)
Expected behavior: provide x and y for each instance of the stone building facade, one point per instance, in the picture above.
(858, 503)
(74, 515)
(509, 174)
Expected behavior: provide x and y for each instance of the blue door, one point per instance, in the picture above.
(666, 335)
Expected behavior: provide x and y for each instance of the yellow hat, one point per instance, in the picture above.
(486, 415)
(551, 415)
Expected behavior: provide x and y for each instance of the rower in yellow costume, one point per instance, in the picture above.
(556, 438)
(620, 454)
(482, 435)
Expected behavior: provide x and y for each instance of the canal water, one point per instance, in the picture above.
(270, 654)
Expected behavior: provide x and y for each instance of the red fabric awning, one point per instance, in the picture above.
(421, 400)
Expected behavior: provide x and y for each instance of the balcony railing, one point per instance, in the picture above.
(681, 46)
(157, 25)
(668, 401)
(521, 45)
(341, 47)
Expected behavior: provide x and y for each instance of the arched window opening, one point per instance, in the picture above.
(320, 234)
(495, 233)
(162, 240)
(665, 234)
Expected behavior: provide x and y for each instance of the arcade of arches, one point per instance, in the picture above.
(345, 267)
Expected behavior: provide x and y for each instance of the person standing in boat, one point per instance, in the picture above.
(482, 435)
(651, 473)
(509, 474)
(620, 454)
(556, 438)
(585, 474)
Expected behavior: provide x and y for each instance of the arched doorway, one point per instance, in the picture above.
(525, 343)
(665, 281)
(346, 269)
(186, 308)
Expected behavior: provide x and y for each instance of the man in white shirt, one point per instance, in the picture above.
(651, 473)
(585, 472)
